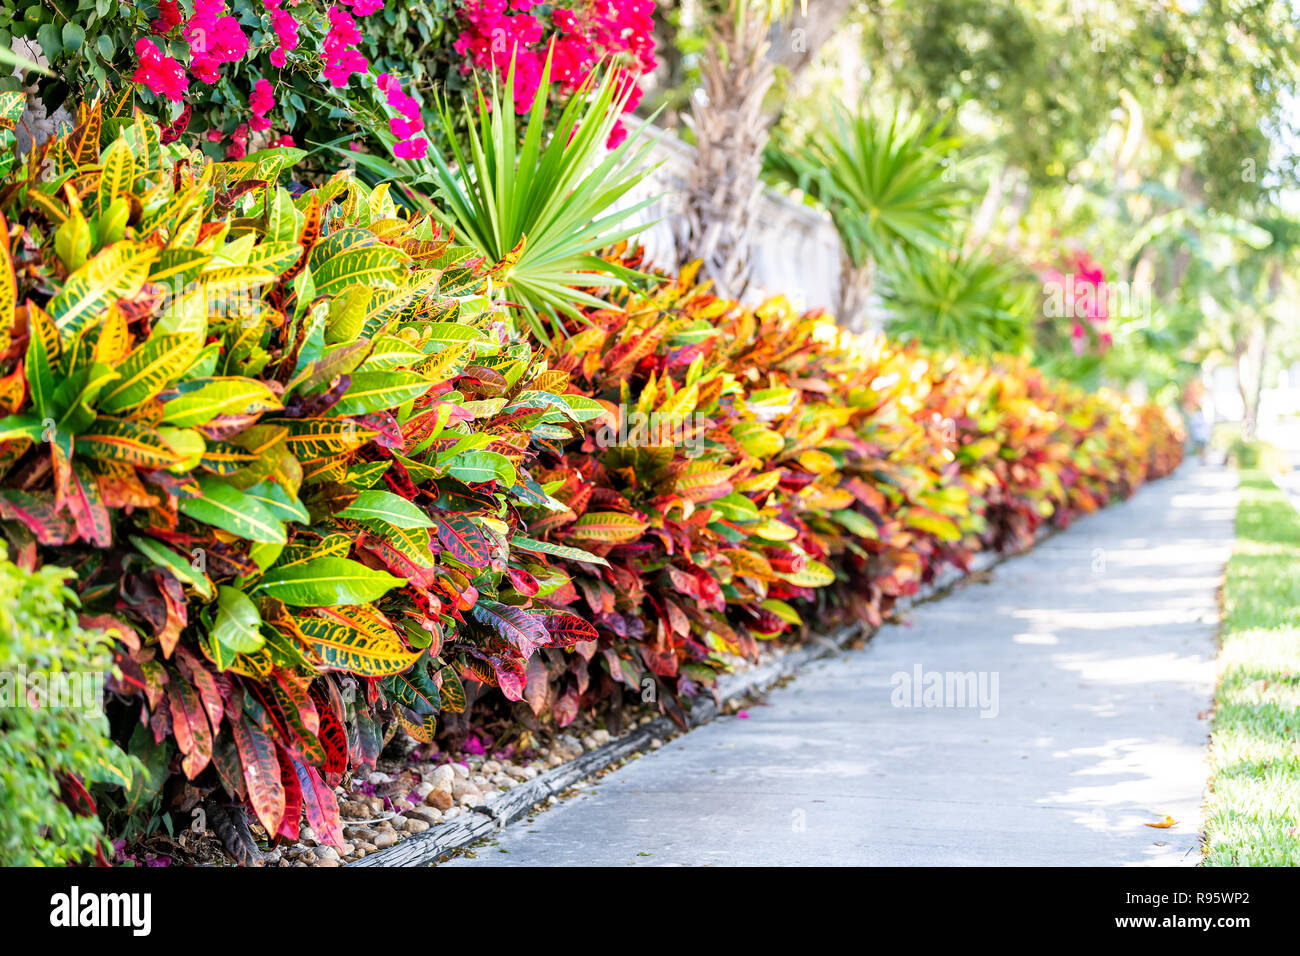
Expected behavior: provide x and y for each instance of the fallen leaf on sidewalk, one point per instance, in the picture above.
(1164, 824)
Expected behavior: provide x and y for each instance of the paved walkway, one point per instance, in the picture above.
(1102, 644)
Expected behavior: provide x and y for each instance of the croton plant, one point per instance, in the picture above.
(321, 489)
(284, 443)
(767, 463)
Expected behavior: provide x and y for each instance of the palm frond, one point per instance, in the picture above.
(555, 193)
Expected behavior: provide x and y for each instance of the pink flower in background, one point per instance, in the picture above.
(262, 99)
(1083, 299)
(582, 33)
(204, 68)
(162, 75)
(409, 124)
(170, 17)
(341, 57)
(565, 21)
(238, 142)
(285, 28)
(214, 39)
(411, 148)
(261, 102)
(228, 43)
(343, 30)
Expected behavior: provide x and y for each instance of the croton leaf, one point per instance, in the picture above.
(462, 539)
(452, 691)
(327, 582)
(257, 753)
(190, 724)
(319, 805)
(358, 640)
(565, 629)
(610, 527)
(522, 630)
(386, 507)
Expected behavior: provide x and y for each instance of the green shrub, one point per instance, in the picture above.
(1258, 454)
(49, 754)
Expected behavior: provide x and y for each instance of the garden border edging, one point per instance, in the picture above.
(444, 839)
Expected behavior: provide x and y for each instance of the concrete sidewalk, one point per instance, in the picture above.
(1101, 643)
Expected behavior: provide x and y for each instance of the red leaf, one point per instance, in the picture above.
(86, 505)
(566, 708)
(567, 629)
(292, 796)
(538, 688)
(173, 595)
(524, 582)
(333, 734)
(462, 539)
(319, 804)
(196, 671)
(522, 630)
(190, 725)
(261, 773)
(172, 132)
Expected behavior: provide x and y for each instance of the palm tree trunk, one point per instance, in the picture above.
(856, 284)
(1257, 399)
(731, 130)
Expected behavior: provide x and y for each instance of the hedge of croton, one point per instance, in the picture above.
(813, 470)
(317, 487)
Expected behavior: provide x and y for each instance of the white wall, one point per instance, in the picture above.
(797, 251)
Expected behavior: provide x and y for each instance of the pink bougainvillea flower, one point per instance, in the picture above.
(262, 99)
(617, 135)
(161, 75)
(204, 67)
(341, 57)
(228, 41)
(411, 148)
(497, 33)
(564, 20)
(169, 18)
(214, 38)
(285, 28)
(238, 142)
(406, 126)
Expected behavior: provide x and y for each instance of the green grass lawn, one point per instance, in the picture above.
(1253, 810)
